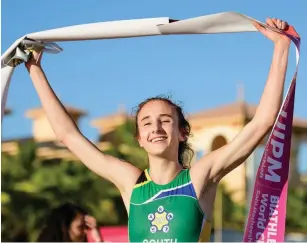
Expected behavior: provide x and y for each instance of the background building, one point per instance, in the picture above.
(211, 129)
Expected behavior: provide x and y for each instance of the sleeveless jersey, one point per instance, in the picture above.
(166, 213)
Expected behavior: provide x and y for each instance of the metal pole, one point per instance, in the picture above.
(218, 216)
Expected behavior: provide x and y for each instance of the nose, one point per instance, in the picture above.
(157, 127)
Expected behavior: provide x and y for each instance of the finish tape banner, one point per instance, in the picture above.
(267, 214)
(20, 50)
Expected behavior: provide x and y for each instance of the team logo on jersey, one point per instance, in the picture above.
(159, 220)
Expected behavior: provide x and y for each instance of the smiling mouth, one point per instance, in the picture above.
(158, 139)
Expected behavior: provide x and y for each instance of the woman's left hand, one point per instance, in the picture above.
(273, 35)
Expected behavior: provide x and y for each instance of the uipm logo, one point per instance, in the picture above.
(278, 150)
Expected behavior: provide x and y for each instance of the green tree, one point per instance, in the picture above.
(297, 210)
(21, 206)
(125, 145)
(31, 186)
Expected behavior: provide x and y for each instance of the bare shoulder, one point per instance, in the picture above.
(129, 174)
(129, 171)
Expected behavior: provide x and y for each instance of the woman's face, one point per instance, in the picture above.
(77, 230)
(158, 129)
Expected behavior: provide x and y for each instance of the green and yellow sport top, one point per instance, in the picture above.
(166, 213)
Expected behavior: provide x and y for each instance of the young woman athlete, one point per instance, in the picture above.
(168, 202)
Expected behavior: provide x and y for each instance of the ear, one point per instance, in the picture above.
(182, 136)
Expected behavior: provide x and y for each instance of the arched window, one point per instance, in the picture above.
(218, 142)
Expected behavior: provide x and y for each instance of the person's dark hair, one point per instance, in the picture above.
(56, 228)
(185, 152)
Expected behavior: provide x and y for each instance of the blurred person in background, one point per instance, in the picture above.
(69, 223)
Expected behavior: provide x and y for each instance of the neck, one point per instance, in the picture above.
(162, 170)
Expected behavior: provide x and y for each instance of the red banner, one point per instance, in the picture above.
(267, 214)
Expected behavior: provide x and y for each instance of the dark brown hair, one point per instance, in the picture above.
(185, 153)
(56, 228)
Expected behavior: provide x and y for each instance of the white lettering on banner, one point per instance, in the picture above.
(279, 134)
(274, 165)
(261, 217)
(253, 216)
(160, 241)
(260, 237)
(277, 149)
(272, 223)
(281, 126)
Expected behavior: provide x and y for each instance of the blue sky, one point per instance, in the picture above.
(98, 76)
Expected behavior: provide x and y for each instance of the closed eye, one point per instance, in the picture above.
(166, 121)
(147, 124)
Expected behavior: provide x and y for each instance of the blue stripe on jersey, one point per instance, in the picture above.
(187, 190)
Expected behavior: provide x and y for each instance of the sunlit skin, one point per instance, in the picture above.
(159, 135)
(159, 131)
(78, 229)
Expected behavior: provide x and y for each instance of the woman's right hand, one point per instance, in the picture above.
(35, 59)
(90, 221)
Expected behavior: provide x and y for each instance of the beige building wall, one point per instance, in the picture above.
(204, 140)
(41, 128)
